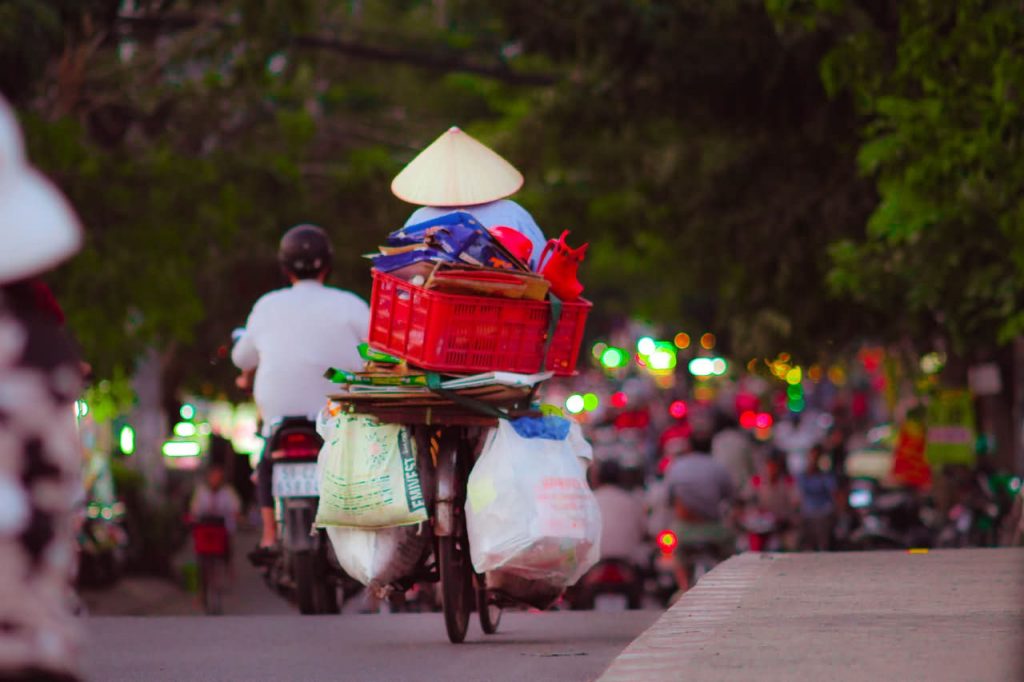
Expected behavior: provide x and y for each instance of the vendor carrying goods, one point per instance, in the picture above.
(529, 510)
(560, 263)
(465, 334)
(456, 170)
(368, 472)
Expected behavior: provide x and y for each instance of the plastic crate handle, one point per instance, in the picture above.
(556, 315)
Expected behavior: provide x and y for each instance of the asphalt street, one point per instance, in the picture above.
(531, 647)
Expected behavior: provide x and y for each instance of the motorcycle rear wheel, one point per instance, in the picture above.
(314, 592)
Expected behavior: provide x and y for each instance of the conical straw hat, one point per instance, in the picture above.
(38, 228)
(456, 170)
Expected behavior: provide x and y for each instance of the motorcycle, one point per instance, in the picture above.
(103, 545)
(303, 567)
(985, 503)
(887, 519)
(662, 582)
(608, 577)
(764, 531)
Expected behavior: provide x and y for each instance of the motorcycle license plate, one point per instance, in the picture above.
(611, 602)
(295, 480)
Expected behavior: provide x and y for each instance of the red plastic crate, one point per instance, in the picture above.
(459, 334)
(210, 539)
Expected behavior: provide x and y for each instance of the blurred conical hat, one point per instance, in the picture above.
(38, 228)
(456, 170)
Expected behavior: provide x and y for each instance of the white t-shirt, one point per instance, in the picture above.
(292, 337)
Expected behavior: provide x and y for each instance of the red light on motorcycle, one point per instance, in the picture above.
(677, 409)
(619, 400)
(667, 541)
(748, 419)
(296, 445)
(763, 420)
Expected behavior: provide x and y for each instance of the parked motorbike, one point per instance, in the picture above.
(986, 500)
(887, 518)
(103, 543)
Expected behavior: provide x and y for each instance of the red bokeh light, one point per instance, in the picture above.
(763, 420)
(677, 409)
(748, 419)
(667, 541)
(619, 400)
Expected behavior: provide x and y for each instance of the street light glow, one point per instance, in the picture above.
(645, 346)
(575, 403)
(126, 439)
(184, 430)
(173, 448)
(701, 367)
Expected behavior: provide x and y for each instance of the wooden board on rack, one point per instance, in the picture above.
(431, 409)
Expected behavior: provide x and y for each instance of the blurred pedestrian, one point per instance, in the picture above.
(40, 451)
(817, 489)
(733, 449)
(701, 495)
(214, 497)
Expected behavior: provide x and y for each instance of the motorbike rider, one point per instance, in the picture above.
(291, 337)
(701, 494)
(624, 522)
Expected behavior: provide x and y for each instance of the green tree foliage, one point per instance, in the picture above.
(714, 153)
(939, 86)
(189, 135)
(696, 147)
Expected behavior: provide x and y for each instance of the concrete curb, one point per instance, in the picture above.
(665, 649)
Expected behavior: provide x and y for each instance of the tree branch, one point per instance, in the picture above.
(424, 60)
(434, 61)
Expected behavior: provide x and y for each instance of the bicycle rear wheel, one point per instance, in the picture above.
(456, 586)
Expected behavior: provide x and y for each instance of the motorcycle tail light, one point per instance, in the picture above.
(667, 541)
(609, 574)
(298, 444)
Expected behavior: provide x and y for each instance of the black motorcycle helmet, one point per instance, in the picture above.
(305, 252)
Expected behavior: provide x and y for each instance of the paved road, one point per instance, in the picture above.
(531, 647)
(951, 615)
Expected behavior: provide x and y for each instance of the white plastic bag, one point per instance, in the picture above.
(377, 558)
(530, 512)
(368, 474)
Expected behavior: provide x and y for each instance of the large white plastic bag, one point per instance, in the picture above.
(377, 558)
(529, 511)
(368, 474)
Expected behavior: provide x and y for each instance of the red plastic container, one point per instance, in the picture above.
(210, 539)
(465, 334)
